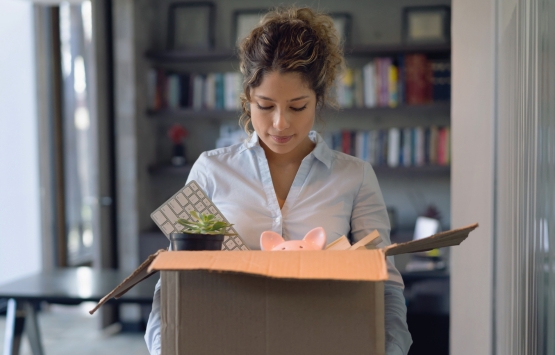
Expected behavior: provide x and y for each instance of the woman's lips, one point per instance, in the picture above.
(281, 139)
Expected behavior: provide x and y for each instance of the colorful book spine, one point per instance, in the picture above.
(369, 76)
(393, 143)
(346, 142)
(407, 145)
(358, 88)
(395, 147)
(441, 146)
(433, 144)
(393, 85)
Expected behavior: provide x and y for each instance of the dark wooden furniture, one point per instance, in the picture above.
(61, 286)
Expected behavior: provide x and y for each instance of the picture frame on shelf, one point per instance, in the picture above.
(243, 23)
(191, 25)
(343, 23)
(427, 25)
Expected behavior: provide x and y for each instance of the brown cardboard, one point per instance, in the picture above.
(235, 314)
(366, 265)
(286, 302)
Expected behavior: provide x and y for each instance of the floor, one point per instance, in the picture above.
(70, 330)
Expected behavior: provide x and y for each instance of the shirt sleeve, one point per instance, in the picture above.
(369, 213)
(152, 334)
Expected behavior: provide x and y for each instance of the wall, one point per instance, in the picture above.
(20, 242)
(472, 171)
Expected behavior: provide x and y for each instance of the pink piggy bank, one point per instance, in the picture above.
(313, 240)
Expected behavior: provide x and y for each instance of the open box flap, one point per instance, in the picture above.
(141, 273)
(439, 240)
(363, 265)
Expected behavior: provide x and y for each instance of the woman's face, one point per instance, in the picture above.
(283, 109)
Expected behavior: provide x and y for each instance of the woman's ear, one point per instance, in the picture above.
(316, 237)
(269, 239)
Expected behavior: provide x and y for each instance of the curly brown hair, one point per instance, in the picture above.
(291, 39)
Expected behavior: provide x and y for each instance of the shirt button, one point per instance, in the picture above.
(277, 219)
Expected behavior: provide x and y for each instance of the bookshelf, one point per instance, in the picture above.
(190, 104)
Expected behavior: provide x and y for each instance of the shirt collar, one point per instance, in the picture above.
(321, 152)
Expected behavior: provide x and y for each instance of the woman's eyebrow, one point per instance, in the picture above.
(295, 99)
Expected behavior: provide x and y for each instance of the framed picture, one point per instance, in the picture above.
(343, 24)
(427, 24)
(244, 21)
(191, 25)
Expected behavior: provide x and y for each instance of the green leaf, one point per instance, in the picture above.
(219, 225)
(184, 222)
(195, 215)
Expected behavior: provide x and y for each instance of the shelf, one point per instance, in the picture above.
(188, 113)
(356, 51)
(385, 50)
(170, 169)
(191, 56)
(434, 109)
(413, 170)
(379, 170)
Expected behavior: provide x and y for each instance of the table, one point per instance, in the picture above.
(62, 286)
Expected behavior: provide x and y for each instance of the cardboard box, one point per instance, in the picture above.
(265, 302)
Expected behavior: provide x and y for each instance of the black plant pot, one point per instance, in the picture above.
(186, 241)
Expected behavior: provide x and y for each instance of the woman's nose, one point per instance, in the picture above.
(280, 121)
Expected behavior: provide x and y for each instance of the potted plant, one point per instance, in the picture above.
(206, 233)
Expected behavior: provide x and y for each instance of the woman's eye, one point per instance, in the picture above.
(263, 107)
(298, 109)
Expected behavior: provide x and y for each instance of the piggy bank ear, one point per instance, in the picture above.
(316, 237)
(269, 239)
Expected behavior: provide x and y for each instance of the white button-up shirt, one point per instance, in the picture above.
(331, 190)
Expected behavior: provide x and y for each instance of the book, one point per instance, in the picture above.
(346, 142)
(185, 99)
(174, 92)
(433, 144)
(368, 73)
(219, 85)
(209, 100)
(231, 98)
(427, 145)
(419, 146)
(401, 79)
(359, 144)
(375, 146)
(447, 145)
(198, 83)
(442, 146)
(441, 80)
(407, 147)
(347, 92)
(393, 85)
(358, 88)
(393, 147)
(417, 79)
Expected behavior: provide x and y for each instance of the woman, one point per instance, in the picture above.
(285, 178)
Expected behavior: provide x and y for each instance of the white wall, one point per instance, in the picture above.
(20, 242)
(472, 174)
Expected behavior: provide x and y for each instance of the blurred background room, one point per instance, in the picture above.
(106, 104)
